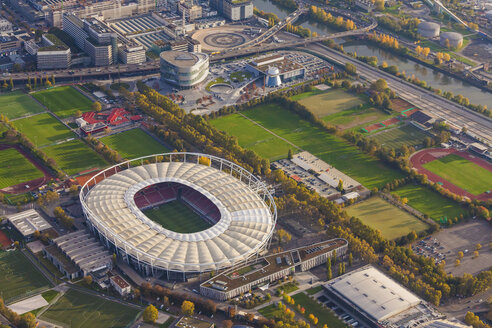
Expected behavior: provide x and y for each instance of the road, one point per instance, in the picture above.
(477, 124)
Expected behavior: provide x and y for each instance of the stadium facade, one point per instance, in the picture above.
(242, 217)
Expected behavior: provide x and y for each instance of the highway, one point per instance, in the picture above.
(477, 124)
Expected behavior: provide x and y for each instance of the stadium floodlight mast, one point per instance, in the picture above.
(247, 225)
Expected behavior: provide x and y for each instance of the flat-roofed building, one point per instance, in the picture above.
(377, 300)
(9, 45)
(285, 69)
(120, 285)
(54, 53)
(27, 222)
(77, 254)
(234, 10)
(132, 53)
(271, 268)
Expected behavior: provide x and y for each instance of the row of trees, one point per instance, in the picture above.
(27, 320)
(66, 220)
(107, 153)
(320, 15)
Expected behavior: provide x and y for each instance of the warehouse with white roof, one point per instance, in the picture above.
(243, 225)
(27, 222)
(378, 300)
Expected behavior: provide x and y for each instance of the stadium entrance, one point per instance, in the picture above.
(177, 207)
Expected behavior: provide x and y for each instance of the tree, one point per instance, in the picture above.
(340, 185)
(478, 247)
(475, 254)
(283, 236)
(53, 79)
(27, 320)
(329, 273)
(88, 280)
(78, 113)
(457, 262)
(150, 314)
(350, 69)
(289, 154)
(379, 85)
(404, 201)
(340, 269)
(96, 106)
(188, 308)
(379, 5)
(460, 254)
(350, 259)
(446, 57)
(204, 160)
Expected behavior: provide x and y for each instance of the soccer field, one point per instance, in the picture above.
(43, 129)
(133, 143)
(252, 136)
(19, 276)
(80, 310)
(462, 173)
(17, 104)
(329, 102)
(15, 168)
(75, 156)
(63, 101)
(405, 135)
(177, 217)
(389, 219)
(429, 202)
(347, 158)
(356, 118)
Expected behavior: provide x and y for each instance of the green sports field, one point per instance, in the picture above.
(356, 118)
(17, 104)
(462, 173)
(347, 158)
(253, 137)
(389, 219)
(75, 156)
(178, 217)
(405, 135)
(80, 310)
(133, 143)
(328, 102)
(429, 202)
(19, 276)
(15, 168)
(325, 316)
(43, 129)
(63, 101)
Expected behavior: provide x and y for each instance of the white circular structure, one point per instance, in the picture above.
(429, 29)
(243, 228)
(184, 69)
(455, 39)
(273, 77)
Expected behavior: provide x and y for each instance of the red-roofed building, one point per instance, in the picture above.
(117, 116)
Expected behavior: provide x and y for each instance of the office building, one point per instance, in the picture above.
(234, 10)
(53, 54)
(184, 69)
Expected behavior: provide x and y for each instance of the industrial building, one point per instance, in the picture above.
(276, 69)
(233, 10)
(53, 54)
(429, 29)
(28, 222)
(455, 39)
(78, 254)
(376, 301)
(266, 270)
(184, 69)
(132, 53)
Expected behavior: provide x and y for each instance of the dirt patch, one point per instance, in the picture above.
(390, 121)
(373, 127)
(399, 105)
(5, 241)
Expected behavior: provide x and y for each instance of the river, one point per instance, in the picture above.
(431, 76)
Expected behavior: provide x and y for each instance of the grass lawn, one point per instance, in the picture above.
(389, 219)
(397, 137)
(347, 158)
(268, 311)
(74, 156)
(15, 168)
(240, 76)
(63, 101)
(429, 202)
(314, 290)
(216, 81)
(252, 136)
(288, 287)
(18, 275)
(178, 217)
(79, 310)
(357, 117)
(43, 129)
(17, 104)
(462, 173)
(329, 102)
(324, 315)
(49, 295)
(133, 143)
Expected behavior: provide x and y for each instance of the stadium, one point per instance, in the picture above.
(179, 214)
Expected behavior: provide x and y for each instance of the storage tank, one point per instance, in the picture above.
(455, 39)
(428, 29)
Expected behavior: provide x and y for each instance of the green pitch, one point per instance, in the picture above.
(253, 137)
(80, 310)
(17, 104)
(43, 129)
(133, 143)
(178, 217)
(324, 316)
(405, 135)
(347, 158)
(74, 156)
(389, 219)
(356, 118)
(462, 173)
(15, 168)
(329, 102)
(63, 101)
(19, 276)
(429, 202)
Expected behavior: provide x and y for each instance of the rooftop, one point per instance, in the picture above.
(283, 64)
(182, 58)
(28, 222)
(120, 281)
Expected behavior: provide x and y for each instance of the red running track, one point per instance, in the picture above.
(428, 155)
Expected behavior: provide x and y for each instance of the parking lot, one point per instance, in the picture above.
(464, 237)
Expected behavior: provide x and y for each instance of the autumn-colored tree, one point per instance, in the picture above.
(88, 280)
(188, 308)
(283, 236)
(96, 106)
(150, 314)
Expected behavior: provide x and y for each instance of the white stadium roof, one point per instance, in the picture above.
(246, 222)
(374, 293)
